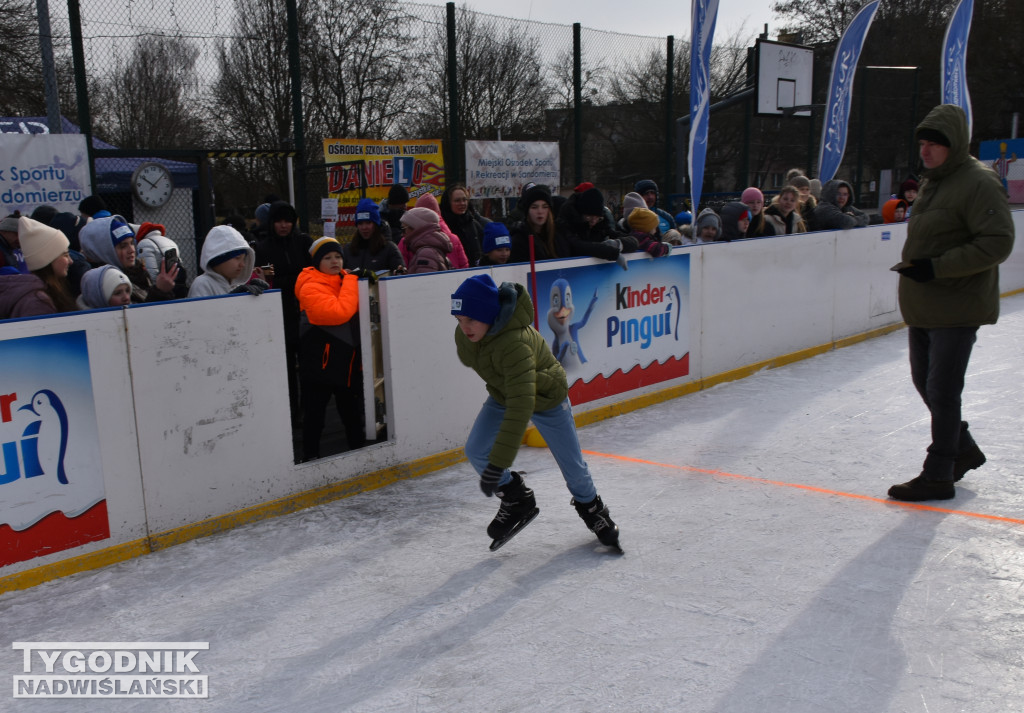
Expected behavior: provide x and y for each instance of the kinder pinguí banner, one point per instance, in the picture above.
(52, 496)
(615, 330)
(417, 164)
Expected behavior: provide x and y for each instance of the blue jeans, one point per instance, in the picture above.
(938, 365)
(559, 431)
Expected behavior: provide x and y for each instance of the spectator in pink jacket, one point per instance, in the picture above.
(457, 257)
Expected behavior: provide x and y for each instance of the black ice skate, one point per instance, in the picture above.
(595, 515)
(517, 510)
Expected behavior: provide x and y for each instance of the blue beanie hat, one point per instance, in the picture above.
(366, 209)
(645, 185)
(224, 257)
(496, 236)
(119, 230)
(684, 217)
(477, 298)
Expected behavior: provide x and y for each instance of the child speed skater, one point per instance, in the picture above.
(495, 337)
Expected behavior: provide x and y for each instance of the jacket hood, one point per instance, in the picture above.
(950, 121)
(224, 239)
(731, 213)
(830, 192)
(889, 209)
(96, 240)
(515, 308)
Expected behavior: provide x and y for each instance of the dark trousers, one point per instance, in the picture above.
(938, 364)
(349, 402)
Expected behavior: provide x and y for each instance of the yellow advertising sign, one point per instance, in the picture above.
(417, 164)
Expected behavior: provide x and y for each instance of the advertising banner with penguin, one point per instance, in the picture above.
(616, 330)
(52, 496)
(416, 164)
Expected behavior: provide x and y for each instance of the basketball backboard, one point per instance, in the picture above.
(785, 75)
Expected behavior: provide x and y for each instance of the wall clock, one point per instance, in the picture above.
(152, 184)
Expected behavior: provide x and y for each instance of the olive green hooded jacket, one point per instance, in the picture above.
(961, 221)
(518, 367)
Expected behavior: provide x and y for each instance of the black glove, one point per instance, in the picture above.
(919, 270)
(363, 273)
(489, 479)
(250, 289)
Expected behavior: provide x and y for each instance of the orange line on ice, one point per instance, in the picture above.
(812, 488)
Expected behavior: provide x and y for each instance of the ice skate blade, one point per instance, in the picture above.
(499, 543)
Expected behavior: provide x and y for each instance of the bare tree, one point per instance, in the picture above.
(252, 95)
(500, 77)
(355, 71)
(21, 73)
(151, 99)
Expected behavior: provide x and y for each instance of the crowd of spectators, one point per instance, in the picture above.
(54, 262)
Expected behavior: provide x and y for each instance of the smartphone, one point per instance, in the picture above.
(170, 259)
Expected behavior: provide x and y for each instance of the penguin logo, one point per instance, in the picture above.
(51, 429)
(566, 344)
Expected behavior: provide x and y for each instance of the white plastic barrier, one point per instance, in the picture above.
(191, 397)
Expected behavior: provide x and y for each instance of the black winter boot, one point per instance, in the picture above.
(921, 488)
(595, 515)
(969, 457)
(517, 503)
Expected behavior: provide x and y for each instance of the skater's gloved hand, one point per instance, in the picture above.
(919, 270)
(489, 479)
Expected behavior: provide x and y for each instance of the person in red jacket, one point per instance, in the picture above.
(329, 360)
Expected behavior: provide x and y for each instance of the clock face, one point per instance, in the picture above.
(152, 184)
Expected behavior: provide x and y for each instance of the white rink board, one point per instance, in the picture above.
(207, 385)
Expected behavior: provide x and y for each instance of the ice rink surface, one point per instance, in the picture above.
(765, 571)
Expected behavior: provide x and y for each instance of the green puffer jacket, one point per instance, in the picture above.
(961, 220)
(518, 367)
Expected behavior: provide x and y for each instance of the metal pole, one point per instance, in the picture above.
(860, 132)
(453, 95)
(295, 71)
(81, 85)
(669, 127)
(577, 98)
(49, 73)
(912, 156)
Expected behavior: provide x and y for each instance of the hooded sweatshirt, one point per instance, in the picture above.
(962, 222)
(827, 215)
(220, 240)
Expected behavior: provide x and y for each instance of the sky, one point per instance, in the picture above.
(657, 18)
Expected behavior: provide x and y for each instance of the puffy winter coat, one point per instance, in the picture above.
(518, 367)
(328, 328)
(784, 225)
(962, 222)
(23, 296)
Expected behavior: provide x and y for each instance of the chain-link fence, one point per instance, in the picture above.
(220, 78)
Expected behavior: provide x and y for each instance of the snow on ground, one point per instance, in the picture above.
(737, 593)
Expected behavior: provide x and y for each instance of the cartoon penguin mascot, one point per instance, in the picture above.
(48, 435)
(566, 344)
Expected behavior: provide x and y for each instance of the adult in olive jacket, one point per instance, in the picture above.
(959, 232)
